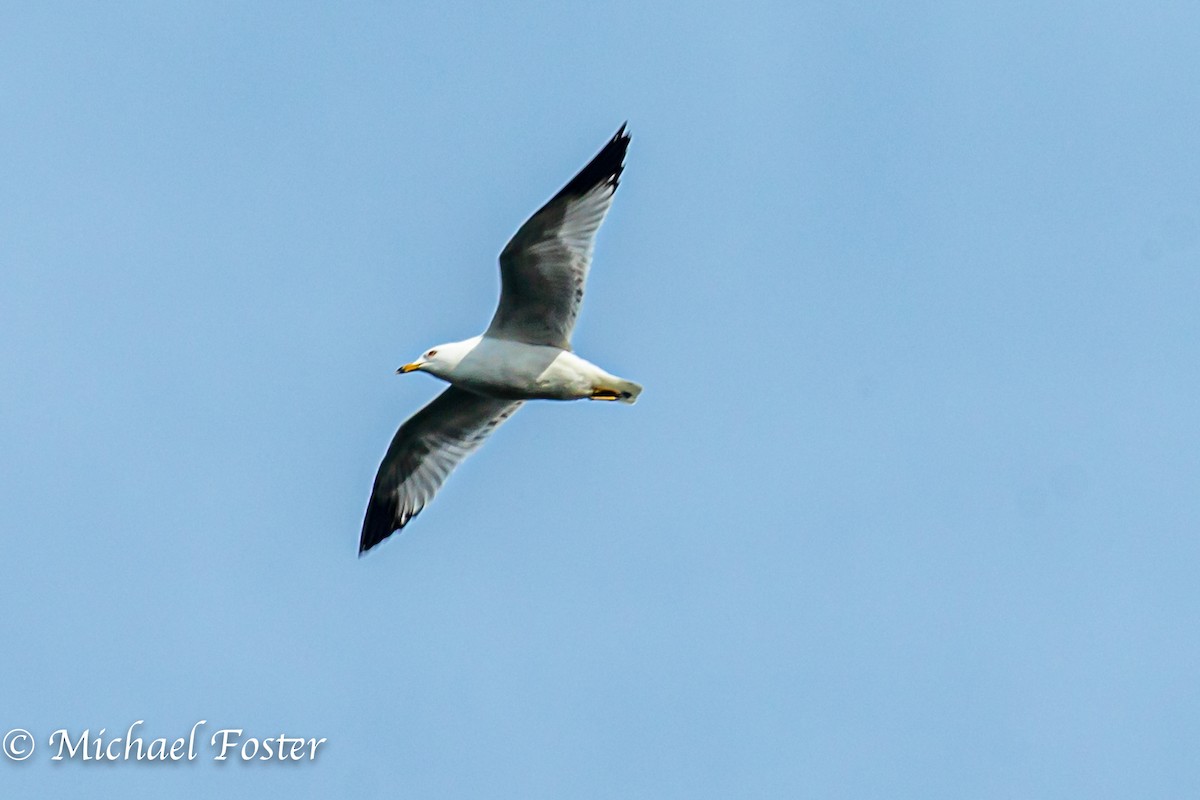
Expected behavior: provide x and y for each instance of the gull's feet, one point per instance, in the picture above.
(608, 394)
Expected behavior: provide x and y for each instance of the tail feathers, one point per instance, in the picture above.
(610, 387)
(628, 390)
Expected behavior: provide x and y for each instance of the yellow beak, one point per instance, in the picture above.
(408, 368)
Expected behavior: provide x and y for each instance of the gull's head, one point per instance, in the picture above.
(440, 360)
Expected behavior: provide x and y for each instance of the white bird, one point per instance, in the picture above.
(525, 354)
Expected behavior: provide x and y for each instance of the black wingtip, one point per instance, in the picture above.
(605, 168)
(379, 523)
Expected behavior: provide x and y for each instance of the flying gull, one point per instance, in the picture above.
(525, 354)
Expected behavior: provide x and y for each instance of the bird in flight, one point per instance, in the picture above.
(525, 353)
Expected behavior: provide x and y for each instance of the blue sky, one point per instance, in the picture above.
(908, 507)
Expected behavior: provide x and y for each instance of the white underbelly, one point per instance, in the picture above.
(513, 370)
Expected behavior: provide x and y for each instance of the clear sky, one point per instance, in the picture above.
(909, 506)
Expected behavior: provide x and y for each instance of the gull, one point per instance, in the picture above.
(525, 353)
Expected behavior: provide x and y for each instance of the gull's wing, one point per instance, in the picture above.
(424, 451)
(544, 267)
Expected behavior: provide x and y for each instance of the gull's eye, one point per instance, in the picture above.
(431, 354)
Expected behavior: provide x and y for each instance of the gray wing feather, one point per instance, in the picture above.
(423, 453)
(544, 267)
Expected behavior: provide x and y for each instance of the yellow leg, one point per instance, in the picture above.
(605, 394)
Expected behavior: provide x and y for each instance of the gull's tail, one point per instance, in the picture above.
(606, 386)
(627, 391)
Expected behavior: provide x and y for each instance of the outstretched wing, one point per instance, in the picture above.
(424, 451)
(544, 266)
